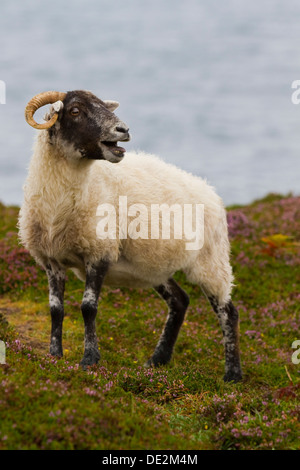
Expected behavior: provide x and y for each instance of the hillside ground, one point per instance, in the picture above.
(48, 403)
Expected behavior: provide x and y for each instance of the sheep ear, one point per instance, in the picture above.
(54, 108)
(111, 105)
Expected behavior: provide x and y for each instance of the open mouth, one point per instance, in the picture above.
(114, 148)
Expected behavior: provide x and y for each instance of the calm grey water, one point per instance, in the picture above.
(204, 84)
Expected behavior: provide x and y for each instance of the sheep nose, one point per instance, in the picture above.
(122, 129)
(125, 132)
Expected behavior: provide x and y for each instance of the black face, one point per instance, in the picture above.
(87, 128)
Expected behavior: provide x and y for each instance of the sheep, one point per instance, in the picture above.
(76, 166)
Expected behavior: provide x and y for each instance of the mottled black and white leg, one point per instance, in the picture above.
(177, 301)
(95, 274)
(56, 281)
(229, 320)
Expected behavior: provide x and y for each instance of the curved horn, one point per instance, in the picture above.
(48, 97)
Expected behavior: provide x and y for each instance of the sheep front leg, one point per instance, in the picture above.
(177, 301)
(95, 274)
(56, 281)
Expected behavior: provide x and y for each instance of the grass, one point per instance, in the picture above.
(48, 403)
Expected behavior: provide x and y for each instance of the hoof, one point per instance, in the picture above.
(56, 350)
(233, 377)
(157, 361)
(149, 364)
(90, 358)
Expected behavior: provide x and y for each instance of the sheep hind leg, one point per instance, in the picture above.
(94, 279)
(229, 321)
(177, 301)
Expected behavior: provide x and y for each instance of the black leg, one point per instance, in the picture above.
(94, 278)
(56, 280)
(178, 302)
(229, 320)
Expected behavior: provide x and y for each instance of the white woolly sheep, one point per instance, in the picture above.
(71, 174)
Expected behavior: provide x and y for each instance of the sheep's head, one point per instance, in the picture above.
(81, 125)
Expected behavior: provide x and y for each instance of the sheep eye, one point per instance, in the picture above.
(74, 111)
